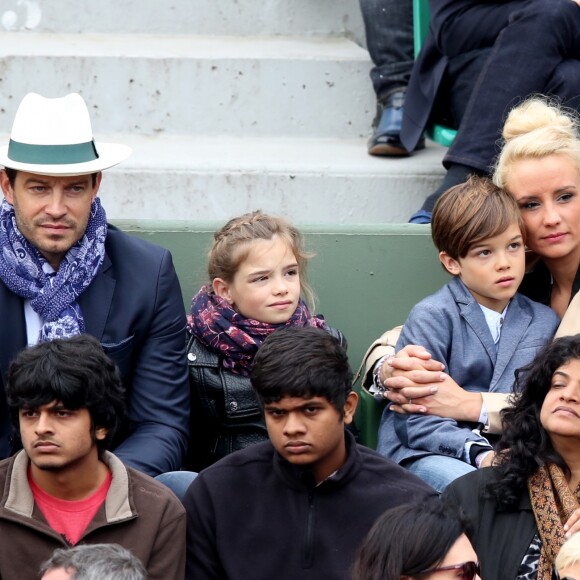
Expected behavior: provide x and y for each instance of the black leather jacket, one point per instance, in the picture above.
(225, 412)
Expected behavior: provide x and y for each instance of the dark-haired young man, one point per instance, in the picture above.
(64, 488)
(299, 505)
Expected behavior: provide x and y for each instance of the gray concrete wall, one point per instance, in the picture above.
(229, 105)
(187, 17)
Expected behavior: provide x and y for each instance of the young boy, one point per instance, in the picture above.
(299, 505)
(64, 488)
(477, 325)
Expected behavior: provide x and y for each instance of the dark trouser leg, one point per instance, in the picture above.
(467, 41)
(533, 53)
(389, 32)
(538, 38)
(565, 83)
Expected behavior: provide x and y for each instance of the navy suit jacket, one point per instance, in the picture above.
(452, 327)
(135, 309)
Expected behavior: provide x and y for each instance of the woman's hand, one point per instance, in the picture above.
(417, 384)
(573, 524)
(410, 374)
(413, 367)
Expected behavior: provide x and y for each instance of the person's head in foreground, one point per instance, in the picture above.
(568, 560)
(93, 562)
(67, 398)
(478, 230)
(417, 542)
(304, 383)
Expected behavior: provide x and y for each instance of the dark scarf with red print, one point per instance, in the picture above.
(235, 338)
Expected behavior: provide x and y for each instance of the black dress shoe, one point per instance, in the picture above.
(385, 139)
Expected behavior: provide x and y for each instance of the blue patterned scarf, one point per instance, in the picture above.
(53, 297)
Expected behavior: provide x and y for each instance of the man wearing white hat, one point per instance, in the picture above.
(65, 271)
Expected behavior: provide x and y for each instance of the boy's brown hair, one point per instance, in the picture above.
(470, 212)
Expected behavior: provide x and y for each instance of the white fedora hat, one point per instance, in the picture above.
(54, 137)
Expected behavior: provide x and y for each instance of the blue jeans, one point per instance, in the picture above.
(438, 470)
(177, 481)
(389, 32)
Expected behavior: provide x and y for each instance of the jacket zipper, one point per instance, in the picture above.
(309, 540)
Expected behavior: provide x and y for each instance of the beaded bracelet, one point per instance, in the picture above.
(377, 380)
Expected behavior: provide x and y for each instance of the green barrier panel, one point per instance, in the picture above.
(366, 278)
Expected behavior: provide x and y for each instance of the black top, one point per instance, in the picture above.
(255, 515)
(537, 284)
(500, 537)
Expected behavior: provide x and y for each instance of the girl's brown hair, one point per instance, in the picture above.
(232, 245)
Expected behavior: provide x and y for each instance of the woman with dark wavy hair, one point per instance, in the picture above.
(420, 541)
(526, 506)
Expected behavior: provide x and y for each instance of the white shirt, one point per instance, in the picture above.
(494, 321)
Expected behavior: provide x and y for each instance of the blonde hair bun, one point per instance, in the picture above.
(537, 114)
(535, 129)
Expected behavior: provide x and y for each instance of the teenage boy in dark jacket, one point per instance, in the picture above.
(299, 505)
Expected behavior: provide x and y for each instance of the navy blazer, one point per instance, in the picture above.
(452, 327)
(134, 307)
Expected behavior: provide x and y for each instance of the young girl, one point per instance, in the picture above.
(257, 269)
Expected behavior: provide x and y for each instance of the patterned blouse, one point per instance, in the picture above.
(528, 569)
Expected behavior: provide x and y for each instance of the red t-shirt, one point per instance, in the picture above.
(69, 518)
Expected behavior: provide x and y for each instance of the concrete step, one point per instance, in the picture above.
(307, 180)
(244, 86)
(219, 17)
(229, 105)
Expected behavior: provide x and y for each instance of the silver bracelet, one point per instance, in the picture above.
(377, 380)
